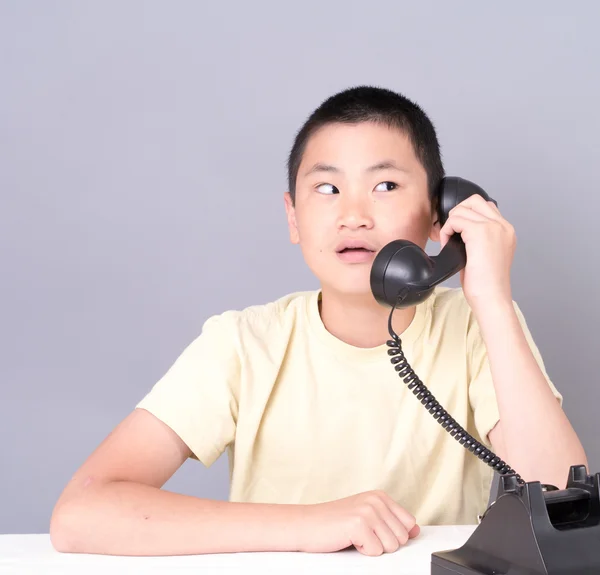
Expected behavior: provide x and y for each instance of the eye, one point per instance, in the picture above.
(327, 189)
(389, 186)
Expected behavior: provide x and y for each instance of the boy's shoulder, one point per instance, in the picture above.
(448, 314)
(448, 300)
(280, 312)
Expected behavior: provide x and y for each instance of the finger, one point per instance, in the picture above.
(463, 212)
(479, 204)
(457, 225)
(368, 543)
(407, 519)
(388, 539)
(470, 213)
(414, 532)
(494, 206)
(398, 528)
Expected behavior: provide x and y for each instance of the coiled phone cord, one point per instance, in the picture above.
(411, 379)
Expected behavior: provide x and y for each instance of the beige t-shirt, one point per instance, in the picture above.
(307, 418)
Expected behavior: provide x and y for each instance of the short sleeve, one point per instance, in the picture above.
(482, 395)
(198, 396)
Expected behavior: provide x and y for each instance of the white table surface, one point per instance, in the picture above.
(35, 554)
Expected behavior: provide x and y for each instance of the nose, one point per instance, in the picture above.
(355, 213)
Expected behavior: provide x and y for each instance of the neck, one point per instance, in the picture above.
(359, 320)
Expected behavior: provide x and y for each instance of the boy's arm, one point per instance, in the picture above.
(533, 435)
(114, 505)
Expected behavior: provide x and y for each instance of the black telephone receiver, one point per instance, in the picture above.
(403, 268)
(403, 275)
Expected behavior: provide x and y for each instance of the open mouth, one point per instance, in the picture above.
(356, 250)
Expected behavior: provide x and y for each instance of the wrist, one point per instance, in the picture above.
(272, 527)
(492, 314)
(300, 517)
(494, 303)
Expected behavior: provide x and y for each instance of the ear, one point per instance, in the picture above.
(290, 210)
(434, 232)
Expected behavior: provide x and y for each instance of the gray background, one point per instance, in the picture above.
(142, 168)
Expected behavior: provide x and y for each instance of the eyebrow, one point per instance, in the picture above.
(380, 166)
(387, 165)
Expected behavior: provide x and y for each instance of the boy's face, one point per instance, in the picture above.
(357, 183)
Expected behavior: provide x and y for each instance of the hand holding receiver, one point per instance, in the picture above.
(403, 274)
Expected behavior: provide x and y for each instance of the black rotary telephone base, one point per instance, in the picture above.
(529, 531)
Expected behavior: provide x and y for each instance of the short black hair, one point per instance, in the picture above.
(373, 104)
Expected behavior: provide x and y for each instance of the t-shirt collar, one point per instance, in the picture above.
(408, 336)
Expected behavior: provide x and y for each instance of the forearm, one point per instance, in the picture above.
(538, 439)
(124, 518)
